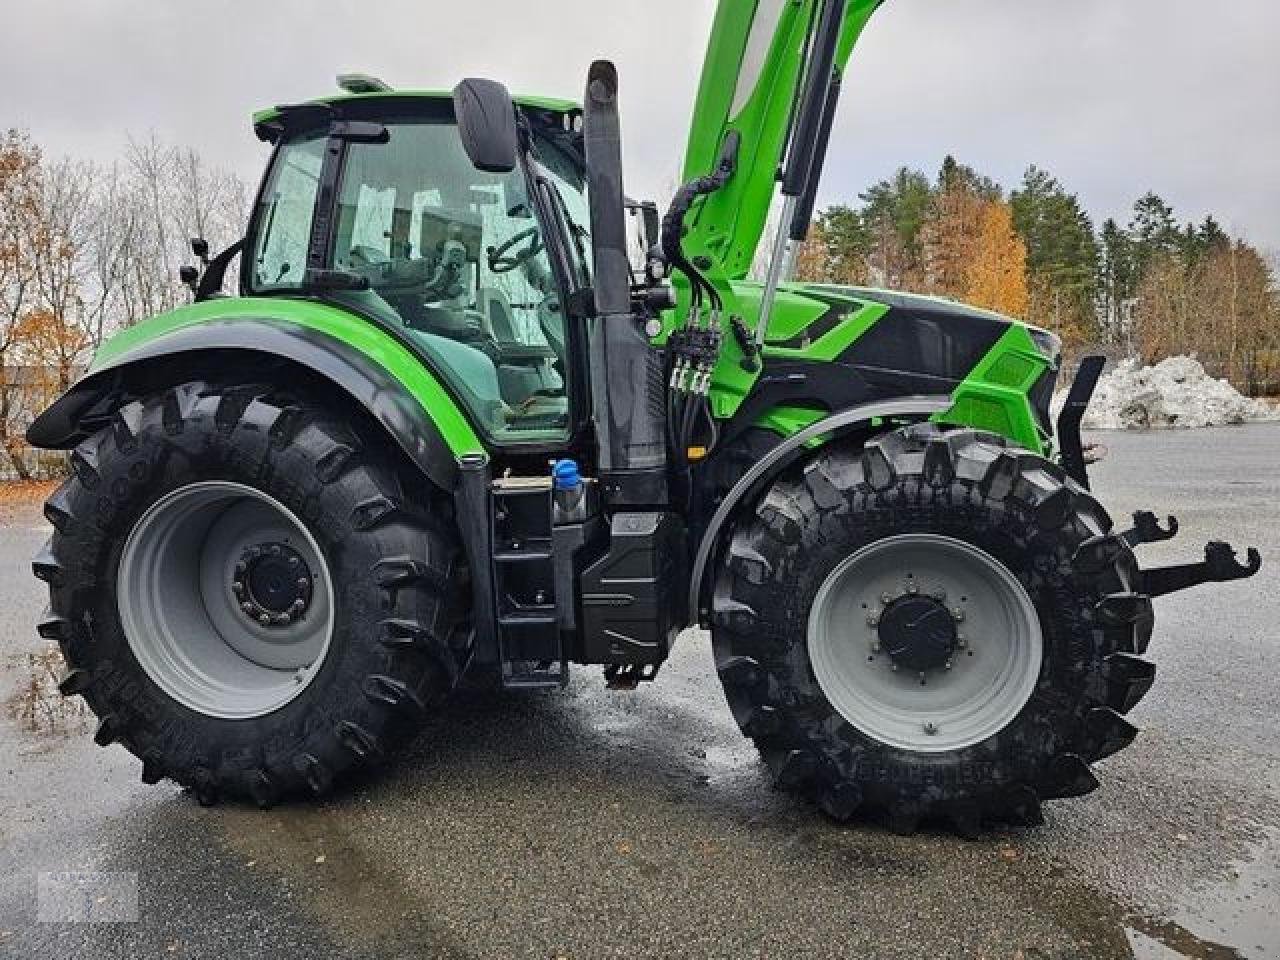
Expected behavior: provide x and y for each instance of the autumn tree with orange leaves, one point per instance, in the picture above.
(996, 274)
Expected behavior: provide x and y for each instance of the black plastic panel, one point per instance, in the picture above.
(633, 596)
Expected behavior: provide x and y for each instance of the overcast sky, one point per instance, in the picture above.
(1113, 96)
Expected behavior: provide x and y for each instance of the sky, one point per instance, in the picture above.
(1114, 97)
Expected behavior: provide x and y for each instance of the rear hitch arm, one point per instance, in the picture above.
(1146, 529)
(1219, 565)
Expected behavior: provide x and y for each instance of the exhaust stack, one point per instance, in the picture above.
(627, 388)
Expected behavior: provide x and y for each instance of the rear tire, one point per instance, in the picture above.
(394, 643)
(978, 497)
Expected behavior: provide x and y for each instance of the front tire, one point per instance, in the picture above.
(854, 701)
(245, 595)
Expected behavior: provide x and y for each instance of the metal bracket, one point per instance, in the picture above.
(1071, 451)
(628, 676)
(1219, 565)
(1146, 529)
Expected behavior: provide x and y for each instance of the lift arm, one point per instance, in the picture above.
(771, 75)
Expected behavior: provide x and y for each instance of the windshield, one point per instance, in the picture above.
(455, 255)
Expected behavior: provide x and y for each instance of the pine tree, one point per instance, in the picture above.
(1117, 281)
(849, 243)
(1062, 253)
(1154, 231)
(895, 212)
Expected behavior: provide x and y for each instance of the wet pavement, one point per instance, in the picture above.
(595, 824)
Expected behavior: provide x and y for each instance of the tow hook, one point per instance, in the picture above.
(1219, 565)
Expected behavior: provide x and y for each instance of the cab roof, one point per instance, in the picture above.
(553, 104)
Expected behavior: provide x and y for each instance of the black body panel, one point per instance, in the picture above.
(632, 597)
(927, 339)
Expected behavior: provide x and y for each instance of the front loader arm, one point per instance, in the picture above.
(753, 83)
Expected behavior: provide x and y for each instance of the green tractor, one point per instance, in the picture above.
(474, 416)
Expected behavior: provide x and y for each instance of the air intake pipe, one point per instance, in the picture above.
(627, 389)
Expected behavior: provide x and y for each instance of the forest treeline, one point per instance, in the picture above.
(1151, 287)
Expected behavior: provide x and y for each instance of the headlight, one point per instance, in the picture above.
(1049, 344)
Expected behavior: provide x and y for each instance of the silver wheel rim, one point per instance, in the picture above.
(989, 677)
(182, 616)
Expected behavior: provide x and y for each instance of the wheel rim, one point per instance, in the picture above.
(956, 684)
(225, 599)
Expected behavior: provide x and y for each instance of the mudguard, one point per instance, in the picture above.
(771, 464)
(369, 365)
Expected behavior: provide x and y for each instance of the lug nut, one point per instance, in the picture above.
(247, 607)
(930, 727)
(939, 594)
(300, 675)
(957, 614)
(912, 588)
(922, 678)
(886, 597)
(875, 648)
(873, 620)
(893, 667)
(947, 665)
(303, 583)
(241, 566)
(237, 588)
(960, 641)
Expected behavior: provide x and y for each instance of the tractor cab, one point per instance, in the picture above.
(372, 201)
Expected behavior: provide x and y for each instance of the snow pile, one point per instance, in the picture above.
(1176, 392)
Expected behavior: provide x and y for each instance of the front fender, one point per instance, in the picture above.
(778, 458)
(367, 364)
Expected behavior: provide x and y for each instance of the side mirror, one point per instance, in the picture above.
(487, 124)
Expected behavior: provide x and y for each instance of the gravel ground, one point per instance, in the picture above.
(594, 824)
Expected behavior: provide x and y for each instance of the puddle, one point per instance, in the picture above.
(36, 704)
(1236, 919)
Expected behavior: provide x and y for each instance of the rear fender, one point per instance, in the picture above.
(409, 412)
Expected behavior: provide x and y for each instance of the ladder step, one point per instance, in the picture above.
(533, 617)
(521, 556)
(534, 676)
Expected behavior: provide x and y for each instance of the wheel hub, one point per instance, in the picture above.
(918, 632)
(191, 564)
(272, 584)
(952, 650)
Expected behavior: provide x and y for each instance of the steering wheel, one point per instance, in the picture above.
(502, 260)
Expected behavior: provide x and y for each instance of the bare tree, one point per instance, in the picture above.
(19, 206)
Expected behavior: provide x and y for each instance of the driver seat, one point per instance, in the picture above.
(499, 318)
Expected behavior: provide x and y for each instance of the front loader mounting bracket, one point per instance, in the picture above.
(1219, 564)
(1146, 529)
(1071, 450)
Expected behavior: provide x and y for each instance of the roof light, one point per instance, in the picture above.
(361, 83)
